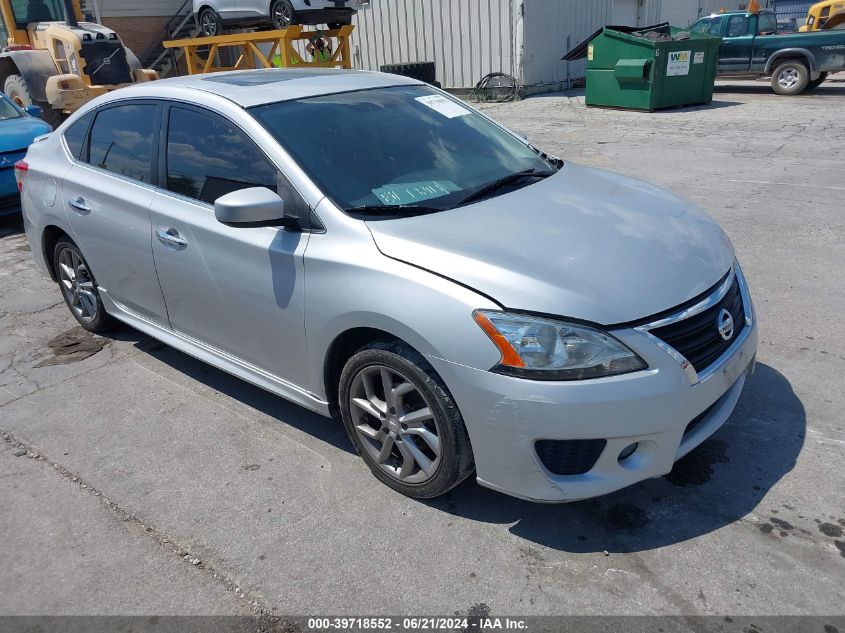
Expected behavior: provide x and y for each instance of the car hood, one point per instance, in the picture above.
(19, 133)
(585, 244)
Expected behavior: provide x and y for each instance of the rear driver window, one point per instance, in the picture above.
(208, 158)
(122, 140)
(75, 135)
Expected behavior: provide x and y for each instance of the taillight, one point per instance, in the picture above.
(21, 167)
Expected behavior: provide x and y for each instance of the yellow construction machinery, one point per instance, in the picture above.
(263, 49)
(824, 16)
(54, 59)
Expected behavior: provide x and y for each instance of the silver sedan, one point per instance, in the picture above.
(370, 247)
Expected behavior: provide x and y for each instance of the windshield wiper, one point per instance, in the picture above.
(502, 182)
(399, 210)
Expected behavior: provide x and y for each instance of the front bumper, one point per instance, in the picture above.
(505, 416)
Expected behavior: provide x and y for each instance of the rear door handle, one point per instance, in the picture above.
(170, 237)
(78, 205)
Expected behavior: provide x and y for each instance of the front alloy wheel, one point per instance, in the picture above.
(402, 420)
(394, 424)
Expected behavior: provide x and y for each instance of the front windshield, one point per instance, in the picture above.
(403, 147)
(27, 11)
(9, 110)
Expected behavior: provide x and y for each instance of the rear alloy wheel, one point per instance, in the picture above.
(209, 22)
(79, 288)
(403, 422)
(282, 14)
(790, 78)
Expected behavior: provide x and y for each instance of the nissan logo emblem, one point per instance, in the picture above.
(725, 325)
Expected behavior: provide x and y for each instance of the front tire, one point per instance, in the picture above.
(79, 288)
(209, 22)
(403, 421)
(790, 78)
(282, 14)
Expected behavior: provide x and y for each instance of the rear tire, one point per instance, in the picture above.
(790, 78)
(16, 89)
(209, 22)
(79, 288)
(406, 427)
(815, 83)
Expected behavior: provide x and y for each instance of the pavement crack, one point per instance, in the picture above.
(39, 311)
(265, 619)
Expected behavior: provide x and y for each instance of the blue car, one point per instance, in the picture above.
(18, 128)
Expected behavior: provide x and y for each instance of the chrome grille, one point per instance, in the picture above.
(697, 337)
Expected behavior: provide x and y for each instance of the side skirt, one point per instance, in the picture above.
(215, 357)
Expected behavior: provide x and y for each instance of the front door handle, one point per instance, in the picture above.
(78, 205)
(170, 237)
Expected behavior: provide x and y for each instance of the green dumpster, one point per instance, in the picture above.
(648, 68)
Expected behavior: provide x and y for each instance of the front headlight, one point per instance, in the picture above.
(543, 349)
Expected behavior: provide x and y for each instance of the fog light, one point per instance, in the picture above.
(628, 451)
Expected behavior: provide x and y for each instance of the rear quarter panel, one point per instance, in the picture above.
(826, 47)
(41, 200)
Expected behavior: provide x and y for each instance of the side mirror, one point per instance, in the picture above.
(34, 110)
(249, 206)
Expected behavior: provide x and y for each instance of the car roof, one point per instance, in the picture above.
(250, 88)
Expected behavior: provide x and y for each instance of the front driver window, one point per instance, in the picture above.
(708, 26)
(208, 158)
(737, 26)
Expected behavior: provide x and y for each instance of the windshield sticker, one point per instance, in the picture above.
(411, 192)
(678, 63)
(444, 106)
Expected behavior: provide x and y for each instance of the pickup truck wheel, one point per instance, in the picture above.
(790, 78)
(815, 83)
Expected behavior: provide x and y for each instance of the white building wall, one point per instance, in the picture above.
(650, 11)
(466, 39)
(551, 28)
